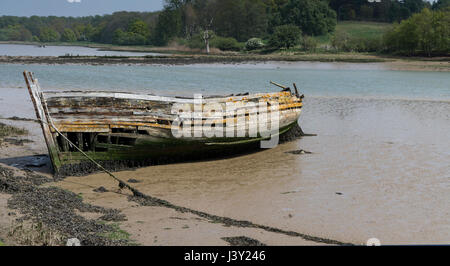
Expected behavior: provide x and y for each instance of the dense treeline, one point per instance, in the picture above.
(250, 24)
(377, 10)
(240, 19)
(102, 29)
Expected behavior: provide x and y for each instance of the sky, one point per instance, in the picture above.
(75, 8)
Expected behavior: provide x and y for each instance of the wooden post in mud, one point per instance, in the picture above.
(36, 97)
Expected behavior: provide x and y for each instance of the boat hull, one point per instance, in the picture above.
(125, 130)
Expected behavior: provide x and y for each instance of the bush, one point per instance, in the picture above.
(365, 44)
(128, 38)
(225, 44)
(196, 42)
(340, 41)
(285, 36)
(254, 44)
(309, 44)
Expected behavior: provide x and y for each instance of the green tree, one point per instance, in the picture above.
(168, 26)
(314, 17)
(441, 4)
(139, 27)
(49, 35)
(285, 36)
(68, 36)
(15, 33)
(240, 19)
(128, 38)
(427, 32)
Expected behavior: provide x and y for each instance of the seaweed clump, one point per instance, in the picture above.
(56, 209)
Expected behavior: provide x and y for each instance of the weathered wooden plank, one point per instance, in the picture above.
(36, 97)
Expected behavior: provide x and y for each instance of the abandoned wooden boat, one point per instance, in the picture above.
(126, 130)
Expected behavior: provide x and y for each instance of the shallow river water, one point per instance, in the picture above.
(49, 50)
(380, 163)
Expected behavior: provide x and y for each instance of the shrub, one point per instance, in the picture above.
(365, 44)
(196, 42)
(225, 44)
(128, 38)
(309, 44)
(340, 41)
(254, 44)
(285, 36)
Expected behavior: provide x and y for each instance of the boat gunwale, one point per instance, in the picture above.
(172, 99)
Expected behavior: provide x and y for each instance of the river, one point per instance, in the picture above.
(380, 163)
(53, 50)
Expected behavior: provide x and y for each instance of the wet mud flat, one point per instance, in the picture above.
(374, 170)
(170, 60)
(408, 64)
(51, 212)
(42, 201)
(60, 210)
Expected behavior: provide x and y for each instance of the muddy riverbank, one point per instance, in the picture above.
(52, 213)
(378, 167)
(361, 180)
(436, 64)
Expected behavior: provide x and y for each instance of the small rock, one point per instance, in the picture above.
(133, 181)
(299, 152)
(100, 190)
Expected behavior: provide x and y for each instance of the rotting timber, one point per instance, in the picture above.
(122, 130)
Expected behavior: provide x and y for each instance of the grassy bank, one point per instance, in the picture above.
(356, 29)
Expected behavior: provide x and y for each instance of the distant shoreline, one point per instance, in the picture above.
(390, 64)
(178, 56)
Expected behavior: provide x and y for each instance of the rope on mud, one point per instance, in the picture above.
(121, 183)
(224, 220)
